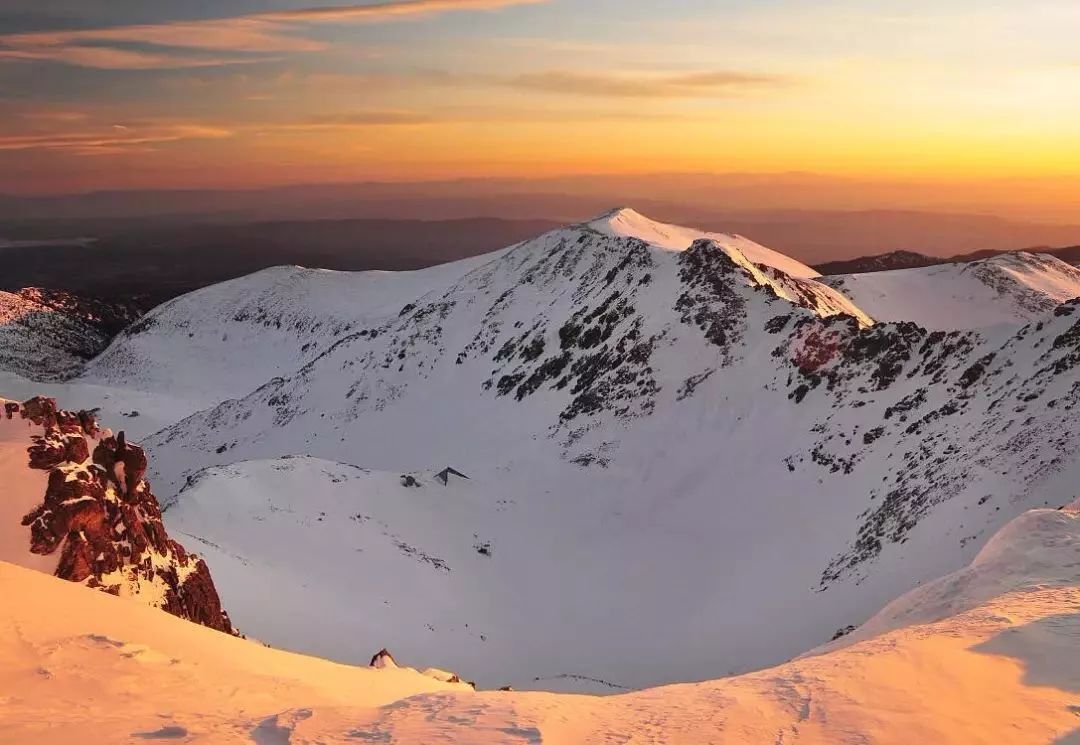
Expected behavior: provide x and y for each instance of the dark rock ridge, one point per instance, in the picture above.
(99, 515)
(880, 263)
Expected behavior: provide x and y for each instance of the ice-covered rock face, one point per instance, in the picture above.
(99, 519)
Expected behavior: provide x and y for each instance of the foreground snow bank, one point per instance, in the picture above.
(83, 666)
(77, 665)
(1037, 551)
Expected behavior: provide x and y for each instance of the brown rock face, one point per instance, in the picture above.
(40, 410)
(196, 599)
(56, 447)
(99, 513)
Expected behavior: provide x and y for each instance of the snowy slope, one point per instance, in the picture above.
(139, 413)
(223, 340)
(998, 665)
(650, 435)
(48, 335)
(81, 666)
(627, 223)
(1039, 549)
(1010, 288)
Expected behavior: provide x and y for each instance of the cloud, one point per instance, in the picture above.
(691, 85)
(106, 58)
(58, 116)
(115, 139)
(613, 85)
(176, 44)
(353, 120)
(393, 9)
(104, 136)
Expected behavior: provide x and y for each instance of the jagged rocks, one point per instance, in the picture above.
(383, 660)
(443, 476)
(99, 515)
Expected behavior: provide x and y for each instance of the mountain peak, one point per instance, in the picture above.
(625, 222)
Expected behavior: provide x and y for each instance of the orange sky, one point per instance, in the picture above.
(105, 95)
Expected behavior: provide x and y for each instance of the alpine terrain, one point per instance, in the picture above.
(1009, 288)
(620, 455)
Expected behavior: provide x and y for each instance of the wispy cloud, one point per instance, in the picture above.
(239, 39)
(690, 85)
(108, 58)
(391, 9)
(57, 116)
(111, 140)
(603, 84)
(356, 119)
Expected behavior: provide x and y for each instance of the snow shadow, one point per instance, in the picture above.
(1049, 649)
(169, 732)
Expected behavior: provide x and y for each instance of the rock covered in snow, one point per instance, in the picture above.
(382, 660)
(100, 520)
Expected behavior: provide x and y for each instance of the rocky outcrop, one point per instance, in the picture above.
(101, 519)
(383, 660)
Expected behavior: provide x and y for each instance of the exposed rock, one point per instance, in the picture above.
(443, 476)
(443, 675)
(383, 660)
(98, 512)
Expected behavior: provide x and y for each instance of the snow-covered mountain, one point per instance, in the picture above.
(879, 263)
(75, 505)
(50, 334)
(224, 340)
(661, 439)
(663, 433)
(988, 654)
(1010, 288)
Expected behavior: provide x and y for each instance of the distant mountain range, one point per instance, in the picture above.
(148, 260)
(911, 259)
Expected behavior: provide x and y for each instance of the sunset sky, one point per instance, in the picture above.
(184, 93)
